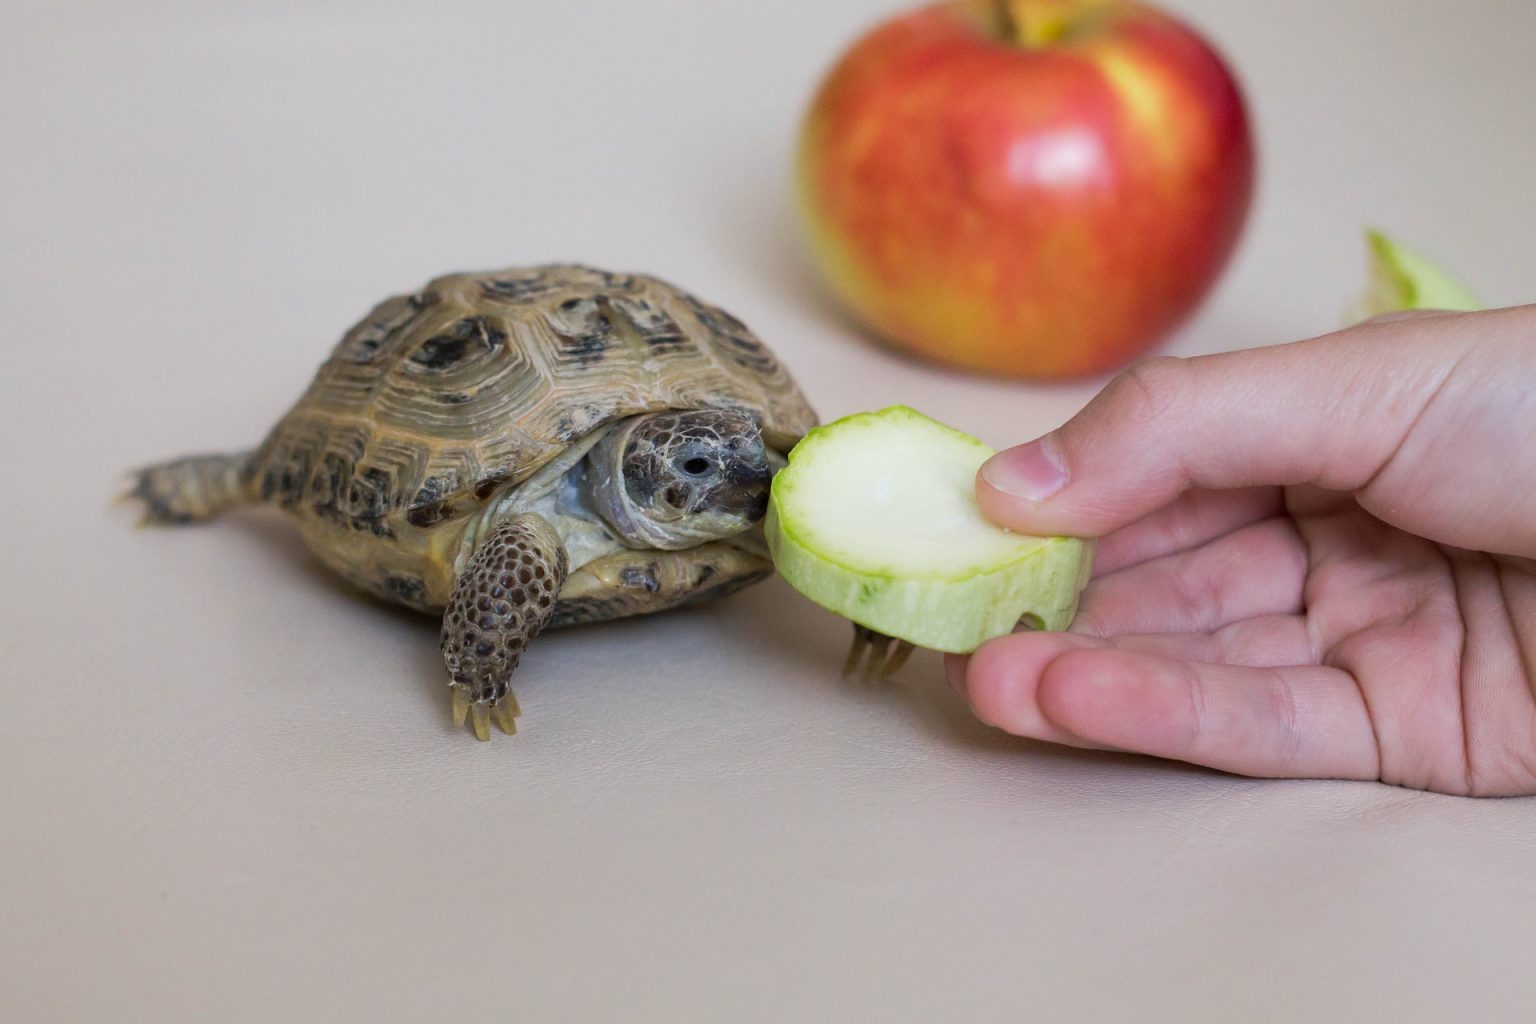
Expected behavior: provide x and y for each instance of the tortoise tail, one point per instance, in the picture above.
(190, 489)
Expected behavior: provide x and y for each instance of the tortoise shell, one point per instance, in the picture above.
(437, 399)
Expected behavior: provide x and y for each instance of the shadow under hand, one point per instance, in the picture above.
(775, 626)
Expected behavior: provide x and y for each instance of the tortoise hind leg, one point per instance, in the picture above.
(190, 489)
(503, 599)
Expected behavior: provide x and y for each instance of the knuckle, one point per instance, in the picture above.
(1280, 701)
(1199, 720)
(1152, 387)
(1198, 597)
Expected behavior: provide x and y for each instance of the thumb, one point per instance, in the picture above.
(1330, 411)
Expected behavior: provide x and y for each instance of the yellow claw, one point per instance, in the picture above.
(460, 705)
(504, 711)
(855, 651)
(511, 700)
(898, 658)
(879, 654)
(874, 668)
(480, 718)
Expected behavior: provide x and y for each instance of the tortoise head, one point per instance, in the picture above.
(674, 479)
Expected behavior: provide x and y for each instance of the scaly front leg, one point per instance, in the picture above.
(504, 597)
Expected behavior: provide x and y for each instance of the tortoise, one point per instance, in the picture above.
(521, 450)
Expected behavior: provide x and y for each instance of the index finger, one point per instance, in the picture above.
(1330, 411)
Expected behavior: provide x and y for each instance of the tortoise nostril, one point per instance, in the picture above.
(696, 466)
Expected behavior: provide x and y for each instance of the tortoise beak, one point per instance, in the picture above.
(749, 476)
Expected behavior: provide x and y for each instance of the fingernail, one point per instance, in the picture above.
(1033, 471)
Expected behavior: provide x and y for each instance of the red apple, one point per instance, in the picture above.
(1043, 188)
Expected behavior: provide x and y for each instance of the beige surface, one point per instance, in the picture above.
(228, 791)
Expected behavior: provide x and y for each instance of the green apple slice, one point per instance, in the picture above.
(1403, 279)
(875, 518)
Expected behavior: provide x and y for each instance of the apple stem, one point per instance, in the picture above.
(1039, 23)
(1008, 25)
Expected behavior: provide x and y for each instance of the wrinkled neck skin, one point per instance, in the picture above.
(604, 486)
(672, 480)
(543, 493)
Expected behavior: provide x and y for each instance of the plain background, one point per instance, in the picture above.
(229, 789)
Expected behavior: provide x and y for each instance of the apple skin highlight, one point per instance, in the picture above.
(1042, 211)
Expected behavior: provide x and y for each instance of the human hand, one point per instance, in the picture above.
(1317, 560)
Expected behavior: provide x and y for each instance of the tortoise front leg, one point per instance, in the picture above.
(502, 600)
(884, 655)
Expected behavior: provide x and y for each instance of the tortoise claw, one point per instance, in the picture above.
(131, 496)
(503, 712)
(874, 664)
(856, 649)
(127, 491)
(899, 655)
(881, 656)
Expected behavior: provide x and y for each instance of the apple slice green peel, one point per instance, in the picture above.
(875, 518)
(1401, 278)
